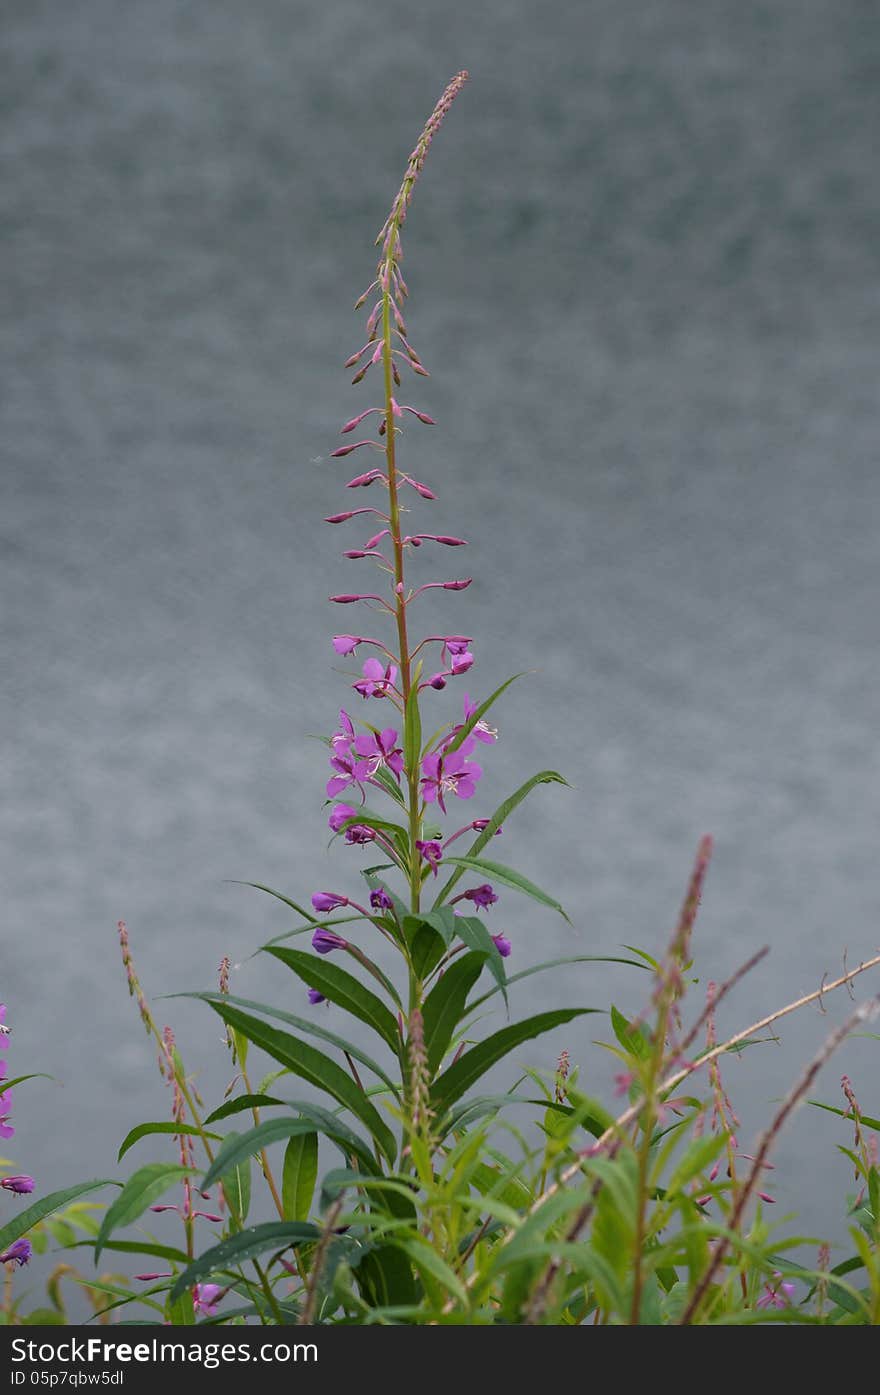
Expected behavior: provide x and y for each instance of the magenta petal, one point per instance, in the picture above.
(431, 766)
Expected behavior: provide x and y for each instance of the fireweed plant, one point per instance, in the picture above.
(443, 1203)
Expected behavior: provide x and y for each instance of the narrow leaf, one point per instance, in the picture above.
(235, 1180)
(247, 1244)
(142, 1130)
(299, 1176)
(140, 1191)
(239, 1147)
(47, 1206)
(303, 1024)
(553, 964)
(343, 989)
(444, 1006)
(475, 935)
(240, 1103)
(453, 1083)
(503, 812)
(319, 1070)
(508, 877)
(478, 714)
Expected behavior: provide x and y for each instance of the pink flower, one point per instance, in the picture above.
(206, 1297)
(777, 1295)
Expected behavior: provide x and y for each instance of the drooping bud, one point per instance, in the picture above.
(340, 815)
(356, 421)
(361, 481)
(328, 900)
(420, 488)
(347, 450)
(325, 941)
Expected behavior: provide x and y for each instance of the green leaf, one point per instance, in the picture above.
(139, 1247)
(377, 884)
(304, 1024)
(140, 1191)
(846, 1114)
(453, 1083)
(343, 989)
(279, 896)
(332, 1127)
(142, 1130)
(239, 1104)
(47, 1206)
(475, 935)
(426, 950)
(235, 1179)
(591, 1113)
(478, 714)
(385, 1278)
(299, 1176)
(444, 1006)
(241, 1146)
(553, 964)
(372, 820)
(444, 921)
(19, 1079)
(181, 1311)
(544, 777)
(427, 1261)
(319, 1070)
(508, 877)
(390, 785)
(697, 1156)
(632, 1038)
(246, 1244)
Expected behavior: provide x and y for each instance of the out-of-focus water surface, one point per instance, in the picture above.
(645, 273)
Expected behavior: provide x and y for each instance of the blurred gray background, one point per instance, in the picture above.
(645, 272)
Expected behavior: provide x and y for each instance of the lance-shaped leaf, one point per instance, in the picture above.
(443, 920)
(235, 1181)
(503, 812)
(453, 1083)
(47, 1206)
(165, 1126)
(444, 1005)
(343, 989)
(499, 873)
(478, 714)
(246, 1244)
(239, 1147)
(239, 1104)
(303, 1024)
(552, 964)
(299, 1175)
(319, 1070)
(475, 935)
(426, 949)
(140, 1191)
